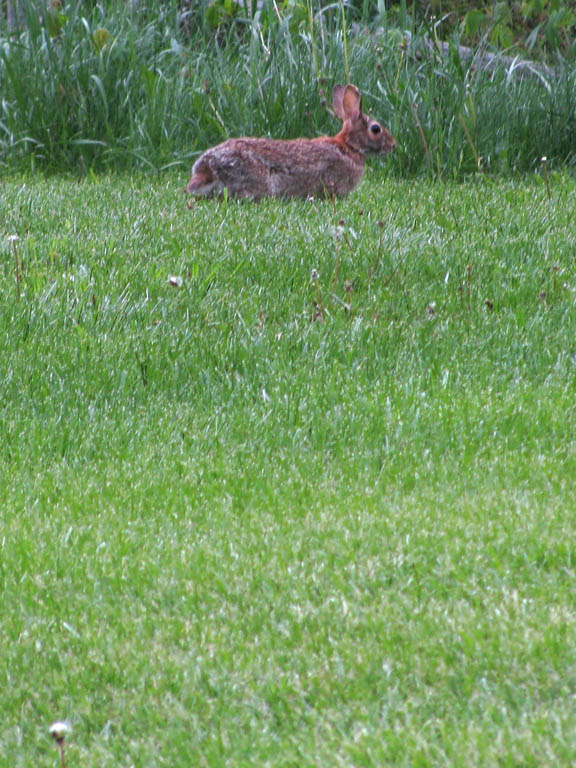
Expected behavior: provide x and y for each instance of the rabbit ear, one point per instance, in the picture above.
(338, 101)
(352, 103)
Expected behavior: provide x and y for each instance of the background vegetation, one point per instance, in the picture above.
(89, 85)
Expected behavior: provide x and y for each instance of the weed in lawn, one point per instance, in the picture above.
(59, 731)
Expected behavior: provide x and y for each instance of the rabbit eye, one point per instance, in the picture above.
(375, 129)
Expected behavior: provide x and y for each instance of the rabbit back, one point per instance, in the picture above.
(256, 168)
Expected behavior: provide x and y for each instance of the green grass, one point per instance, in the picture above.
(264, 518)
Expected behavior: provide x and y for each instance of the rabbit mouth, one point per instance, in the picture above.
(381, 149)
(388, 146)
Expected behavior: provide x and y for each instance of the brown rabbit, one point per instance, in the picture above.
(328, 165)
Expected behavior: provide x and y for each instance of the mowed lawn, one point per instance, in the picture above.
(290, 483)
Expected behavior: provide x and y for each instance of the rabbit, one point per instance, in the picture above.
(324, 166)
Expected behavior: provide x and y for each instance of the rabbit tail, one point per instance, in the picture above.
(203, 182)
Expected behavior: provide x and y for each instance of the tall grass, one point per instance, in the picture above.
(95, 87)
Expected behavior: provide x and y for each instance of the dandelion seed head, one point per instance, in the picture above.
(59, 730)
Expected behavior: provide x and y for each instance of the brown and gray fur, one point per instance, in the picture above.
(325, 166)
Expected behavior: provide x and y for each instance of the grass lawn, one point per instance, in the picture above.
(288, 484)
